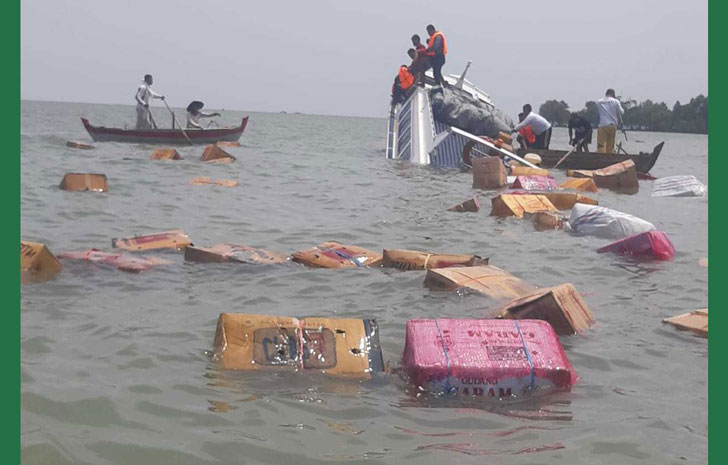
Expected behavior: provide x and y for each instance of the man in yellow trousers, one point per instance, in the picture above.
(610, 118)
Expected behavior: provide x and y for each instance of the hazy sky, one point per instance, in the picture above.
(339, 57)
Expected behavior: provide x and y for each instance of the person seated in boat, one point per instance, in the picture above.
(143, 95)
(539, 125)
(436, 51)
(195, 113)
(403, 82)
(582, 132)
(526, 137)
(610, 118)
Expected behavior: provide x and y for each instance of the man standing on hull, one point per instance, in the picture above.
(436, 51)
(610, 118)
(143, 95)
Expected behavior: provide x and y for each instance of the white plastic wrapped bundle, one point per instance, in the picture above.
(605, 222)
(678, 186)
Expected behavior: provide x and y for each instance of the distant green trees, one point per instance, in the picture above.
(648, 115)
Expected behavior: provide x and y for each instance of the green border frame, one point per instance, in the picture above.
(717, 164)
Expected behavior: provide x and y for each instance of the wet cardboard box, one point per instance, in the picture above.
(488, 173)
(695, 321)
(534, 183)
(85, 182)
(545, 221)
(165, 154)
(579, 184)
(517, 205)
(486, 359)
(201, 181)
(562, 200)
(561, 306)
(653, 245)
(221, 253)
(213, 153)
(37, 263)
(621, 177)
(123, 262)
(336, 255)
(519, 170)
(337, 346)
(470, 205)
(416, 260)
(79, 145)
(487, 279)
(175, 239)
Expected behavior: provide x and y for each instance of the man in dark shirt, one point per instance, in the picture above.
(582, 132)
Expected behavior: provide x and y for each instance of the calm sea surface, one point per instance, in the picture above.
(115, 367)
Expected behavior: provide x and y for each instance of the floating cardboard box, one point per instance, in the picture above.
(519, 170)
(678, 186)
(228, 144)
(505, 137)
(336, 255)
(621, 177)
(37, 263)
(486, 279)
(488, 173)
(517, 205)
(348, 347)
(415, 260)
(215, 154)
(561, 306)
(175, 239)
(544, 221)
(605, 222)
(695, 321)
(580, 184)
(470, 205)
(650, 244)
(482, 359)
(200, 181)
(85, 182)
(580, 173)
(534, 183)
(121, 261)
(79, 145)
(221, 253)
(165, 154)
(566, 200)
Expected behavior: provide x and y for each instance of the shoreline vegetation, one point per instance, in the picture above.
(690, 118)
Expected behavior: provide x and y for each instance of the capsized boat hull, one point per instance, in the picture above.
(165, 136)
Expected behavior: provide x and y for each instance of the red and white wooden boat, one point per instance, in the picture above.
(165, 136)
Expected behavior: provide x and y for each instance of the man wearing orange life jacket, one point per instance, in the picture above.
(402, 82)
(436, 51)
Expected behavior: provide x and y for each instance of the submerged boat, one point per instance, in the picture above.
(165, 136)
(644, 161)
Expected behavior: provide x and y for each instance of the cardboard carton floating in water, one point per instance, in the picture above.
(348, 347)
(336, 255)
(518, 170)
(488, 173)
(470, 205)
(79, 145)
(544, 221)
(621, 177)
(85, 182)
(416, 260)
(695, 321)
(123, 262)
(165, 154)
(200, 181)
(487, 279)
(175, 239)
(214, 153)
(37, 263)
(486, 359)
(534, 183)
(221, 253)
(653, 245)
(579, 184)
(517, 205)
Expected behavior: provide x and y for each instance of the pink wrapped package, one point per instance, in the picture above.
(121, 261)
(650, 244)
(486, 358)
(535, 183)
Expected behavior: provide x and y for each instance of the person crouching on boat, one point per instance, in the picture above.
(610, 118)
(194, 113)
(436, 51)
(526, 137)
(143, 95)
(402, 83)
(582, 132)
(539, 125)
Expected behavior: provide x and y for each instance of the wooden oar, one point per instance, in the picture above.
(151, 118)
(177, 122)
(567, 154)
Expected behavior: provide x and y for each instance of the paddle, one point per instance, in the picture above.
(151, 118)
(568, 153)
(177, 122)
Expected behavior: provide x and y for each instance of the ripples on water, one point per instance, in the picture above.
(114, 366)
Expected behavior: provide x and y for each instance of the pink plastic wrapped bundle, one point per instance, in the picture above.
(134, 264)
(650, 244)
(486, 358)
(535, 183)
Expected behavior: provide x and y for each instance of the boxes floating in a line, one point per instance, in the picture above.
(534, 183)
(175, 239)
(221, 253)
(415, 260)
(695, 321)
(200, 181)
(79, 145)
(37, 263)
(336, 255)
(579, 184)
(488, 173)
(165, 154)
(518, 170)
(651, 245)
(517, 205)
(85, 182)
(348, 347)
(561, 306)
(678, 186)
(121, 261)
(605, 222)
(470, 205)
(487, 279)
(215, 154)
(484, 359)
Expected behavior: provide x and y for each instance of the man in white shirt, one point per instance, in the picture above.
(610, 118)
(194, 113)
(143, 95)
(540, 126)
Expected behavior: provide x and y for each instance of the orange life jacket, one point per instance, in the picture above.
(431, 43)
(406, 79)
(527, 134)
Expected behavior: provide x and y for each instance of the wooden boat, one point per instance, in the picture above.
(165, 136)
(644, 161)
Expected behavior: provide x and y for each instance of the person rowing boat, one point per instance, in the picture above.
(195, 113)
(143, 95)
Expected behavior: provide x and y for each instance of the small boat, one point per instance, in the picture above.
(165, 136)
(644, 161)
